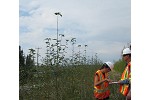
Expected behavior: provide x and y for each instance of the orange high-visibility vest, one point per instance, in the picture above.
(101, 91)
(124, 88)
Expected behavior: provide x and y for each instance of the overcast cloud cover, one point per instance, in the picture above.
(103, 25)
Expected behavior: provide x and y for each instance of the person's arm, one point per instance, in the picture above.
(125, 81)
(96, 82)
(129, 95)
(130, 78)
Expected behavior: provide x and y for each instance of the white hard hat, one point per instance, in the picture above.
(110, 65)
(126, 51)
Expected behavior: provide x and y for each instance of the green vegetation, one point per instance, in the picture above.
(119, 65)
(60, 78)
(73, 83)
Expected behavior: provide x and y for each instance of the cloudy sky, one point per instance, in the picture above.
(103, 25)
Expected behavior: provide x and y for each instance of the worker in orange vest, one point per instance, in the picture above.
(125, 82)
(101, 82)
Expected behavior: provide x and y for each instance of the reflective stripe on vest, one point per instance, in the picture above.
(124, 89)
(101, 90)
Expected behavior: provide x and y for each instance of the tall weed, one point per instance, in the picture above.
(73, 83)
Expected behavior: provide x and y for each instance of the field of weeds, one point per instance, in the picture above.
(68, 83)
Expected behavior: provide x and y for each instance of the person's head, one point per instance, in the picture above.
(107, 67)
(126, 54)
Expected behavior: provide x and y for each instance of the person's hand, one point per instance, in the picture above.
(119, 82)
(108, 80)
(126, 81)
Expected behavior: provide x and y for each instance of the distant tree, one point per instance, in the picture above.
(22, 71)
(29, 61)
(25, 66)
(21, 58)
(32, 54)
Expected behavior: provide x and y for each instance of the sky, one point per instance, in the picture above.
(103, 25)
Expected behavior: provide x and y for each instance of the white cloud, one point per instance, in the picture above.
(101, 24)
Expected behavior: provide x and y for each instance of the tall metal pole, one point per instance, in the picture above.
(57, 85)
(57, 41)
(85, 53)
(79, 53)
(38, 55)
(57, 13)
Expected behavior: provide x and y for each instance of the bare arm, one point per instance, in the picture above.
(96, 82)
